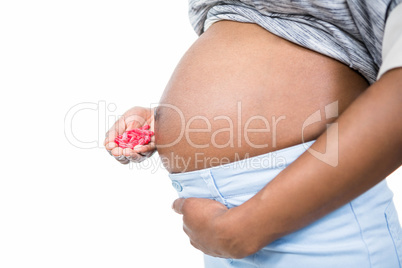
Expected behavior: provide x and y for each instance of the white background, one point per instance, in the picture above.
(65, 206)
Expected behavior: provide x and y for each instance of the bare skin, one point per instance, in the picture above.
(370, 148)
(233, 73)
(271, 76)
(237, 77)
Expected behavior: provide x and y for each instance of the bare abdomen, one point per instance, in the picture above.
(241, 91)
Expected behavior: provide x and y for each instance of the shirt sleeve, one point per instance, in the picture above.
(392, 42)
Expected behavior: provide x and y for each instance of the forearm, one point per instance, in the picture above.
(369, 148)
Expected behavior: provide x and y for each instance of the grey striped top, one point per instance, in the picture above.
(350, 31)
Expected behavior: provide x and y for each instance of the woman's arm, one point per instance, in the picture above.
(368, 140)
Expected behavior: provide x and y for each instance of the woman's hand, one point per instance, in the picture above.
(134, 118)
(213, 228)
(367, 145)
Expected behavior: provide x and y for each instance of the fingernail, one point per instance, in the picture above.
(110, 145)
(120, 157)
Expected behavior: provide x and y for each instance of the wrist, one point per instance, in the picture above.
(236, 233)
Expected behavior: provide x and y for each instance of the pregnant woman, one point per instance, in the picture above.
(278, 127)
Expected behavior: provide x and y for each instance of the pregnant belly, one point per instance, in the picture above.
(240, 91)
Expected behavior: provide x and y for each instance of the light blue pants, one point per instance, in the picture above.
(363, 233)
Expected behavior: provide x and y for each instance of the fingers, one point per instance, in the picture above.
(185, 206)
(134, 121)
(133, 118)
(122, 159)
(195, 245)
(139, 153)
(145, 150)
(178, 205)
(117, 129)
(136, 158)
(117, 153)
(124, 156)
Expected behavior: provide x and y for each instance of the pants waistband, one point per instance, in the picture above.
(237, 178)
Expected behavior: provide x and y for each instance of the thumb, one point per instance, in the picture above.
(177, 205)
